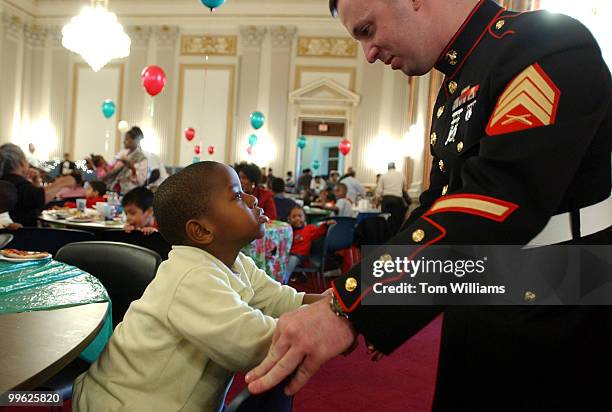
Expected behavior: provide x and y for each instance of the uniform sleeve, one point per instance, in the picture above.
(510, 188)
(212, 316)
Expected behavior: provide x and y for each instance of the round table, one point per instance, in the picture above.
(46, 217)
(34, 346)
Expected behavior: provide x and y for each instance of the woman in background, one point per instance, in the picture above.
(130, 169)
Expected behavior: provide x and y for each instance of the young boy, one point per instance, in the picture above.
(303, 236)
(8, 200)
(138, 207)
(208, 313)
(343, 206)
(94, 193)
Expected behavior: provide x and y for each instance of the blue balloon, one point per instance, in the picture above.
(257, 120)
(301, 142)
(316, 165)
(252, 140)
(108, 108)
(212, 4)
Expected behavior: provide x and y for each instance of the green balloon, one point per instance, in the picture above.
(257, 120)
(316, 165)
(301, 142)
(108, 108)
(252, 140)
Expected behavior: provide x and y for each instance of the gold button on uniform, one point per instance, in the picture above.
(451, 57)
(452, 87)
(444, 190)
(500, 24)
(441, 165)
(460, 147)
(350, 284)
(433, 138)
(418, 235)
(440, 111)
(530, 296)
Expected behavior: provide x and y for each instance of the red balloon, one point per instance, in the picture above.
(153, 79)
(197, 149)
(250, 150)
(345, 146)
(211, 150)
(189, 133)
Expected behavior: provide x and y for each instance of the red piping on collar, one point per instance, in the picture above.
(469, 18)
(463, 60)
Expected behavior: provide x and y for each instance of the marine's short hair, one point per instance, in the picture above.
(184, 196)
(139, 196)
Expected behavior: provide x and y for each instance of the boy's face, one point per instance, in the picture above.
(297, 218)
(136, 216)
(340, 192)
(235, 216)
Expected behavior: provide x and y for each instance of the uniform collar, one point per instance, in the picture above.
(467, 37)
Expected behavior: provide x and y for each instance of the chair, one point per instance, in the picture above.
(5, 239)
(154, 241)
(124, 270)
(339, 236)
(273, 400)
(47, 239)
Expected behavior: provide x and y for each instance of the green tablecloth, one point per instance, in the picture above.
(47, 285)
(271, 253)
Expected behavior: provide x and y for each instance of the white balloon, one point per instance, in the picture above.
(123, 126)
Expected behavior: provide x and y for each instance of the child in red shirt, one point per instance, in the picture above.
(94, 193)
(303, 236)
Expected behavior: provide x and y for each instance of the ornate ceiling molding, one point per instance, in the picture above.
(208, 45)
(326, 47)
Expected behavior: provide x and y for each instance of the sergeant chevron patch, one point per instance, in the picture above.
(530, 100)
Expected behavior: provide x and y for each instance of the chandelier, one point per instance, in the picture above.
(96, 35)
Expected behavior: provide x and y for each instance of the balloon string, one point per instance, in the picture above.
(106, 140)
(152, 108)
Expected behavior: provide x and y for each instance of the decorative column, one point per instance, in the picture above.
(135, 99)
(11, 68)
(282, 45)
(251, 38)
(60, 74)
(32, 107)
(164, 117)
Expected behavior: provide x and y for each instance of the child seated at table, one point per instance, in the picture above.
(138, 207)
(303, 236)
(343, 205)
(208, 312)
(94, 193)
(8, 200)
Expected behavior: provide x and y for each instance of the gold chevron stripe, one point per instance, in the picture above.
(478, 205)
(531, 90)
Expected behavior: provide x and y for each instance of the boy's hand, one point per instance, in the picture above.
(330, 222)
(148, 230)
(14, 226)
(128, 228)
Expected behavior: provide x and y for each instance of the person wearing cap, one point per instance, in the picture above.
(520, 140)
(389, 192)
